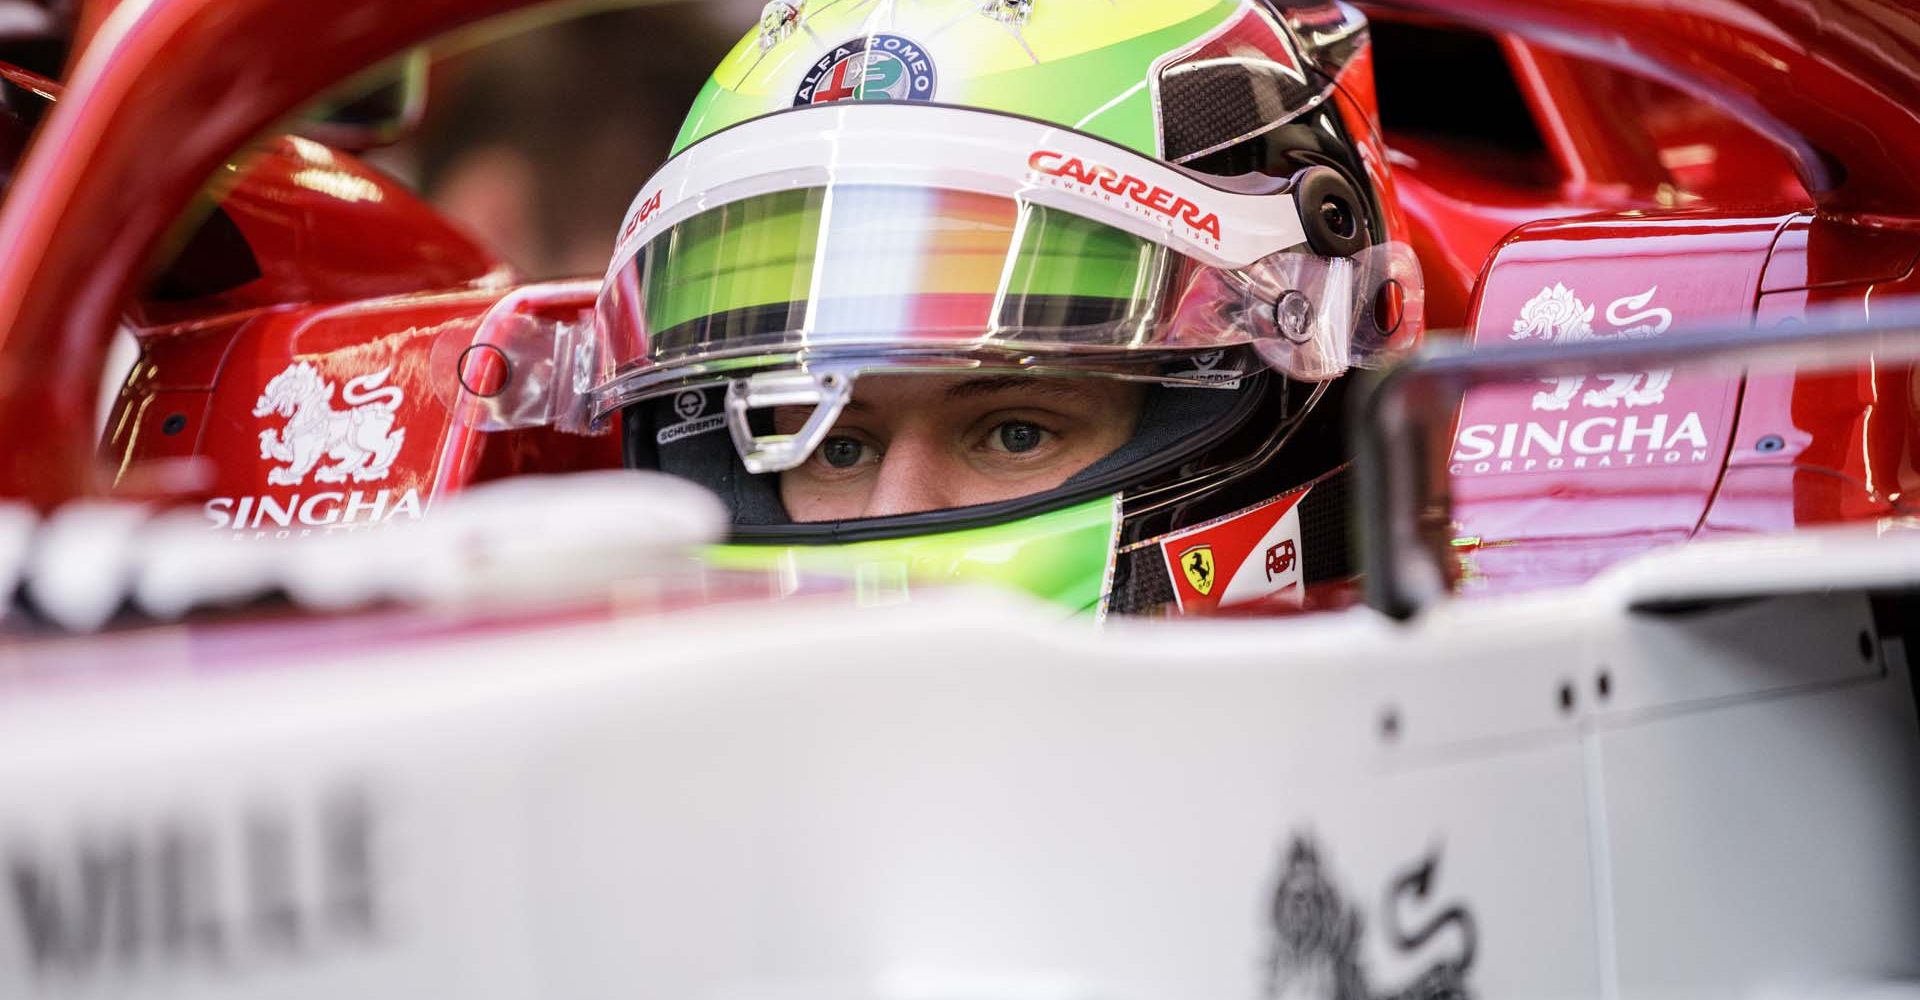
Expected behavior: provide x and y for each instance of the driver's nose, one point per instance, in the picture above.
(913, 477)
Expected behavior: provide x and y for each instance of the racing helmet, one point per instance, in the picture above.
(1179, 210)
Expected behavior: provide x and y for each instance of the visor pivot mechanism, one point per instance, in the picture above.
(827, 392)
(1329, 212)
(1293, 316)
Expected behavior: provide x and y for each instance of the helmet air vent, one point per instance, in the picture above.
(1010, 12)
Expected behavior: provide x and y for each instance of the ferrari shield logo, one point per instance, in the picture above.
(1247, 559)
(1197, 563)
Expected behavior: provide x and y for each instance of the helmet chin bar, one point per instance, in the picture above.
(828, 392)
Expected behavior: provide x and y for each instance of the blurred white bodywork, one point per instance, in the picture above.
(1541, 796)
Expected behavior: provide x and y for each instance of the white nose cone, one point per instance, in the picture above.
(18, 523)
(527, 540)
(79, 563)
(532, 538)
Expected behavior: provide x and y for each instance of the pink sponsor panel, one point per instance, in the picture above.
(1631, 458)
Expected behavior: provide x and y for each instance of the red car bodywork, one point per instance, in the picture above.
(1704, 164)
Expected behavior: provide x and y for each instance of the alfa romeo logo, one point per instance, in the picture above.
(871, 68)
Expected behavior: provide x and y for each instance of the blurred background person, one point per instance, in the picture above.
(536, 142)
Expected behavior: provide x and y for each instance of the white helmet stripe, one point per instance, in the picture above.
(960, 149)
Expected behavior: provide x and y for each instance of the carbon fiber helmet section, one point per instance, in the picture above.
(1248, 76)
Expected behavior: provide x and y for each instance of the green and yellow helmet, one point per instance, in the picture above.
(1178, 209)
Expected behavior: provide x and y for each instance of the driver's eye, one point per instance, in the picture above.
(1018, 437)
(840, 452)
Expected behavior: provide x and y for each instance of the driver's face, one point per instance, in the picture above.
(913, 443)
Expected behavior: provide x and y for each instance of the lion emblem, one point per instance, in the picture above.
(360, 441)
(1317, 936)
(1557, 315)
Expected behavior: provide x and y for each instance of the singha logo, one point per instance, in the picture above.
(1317, 936)
(1556, 315)
(360, 441)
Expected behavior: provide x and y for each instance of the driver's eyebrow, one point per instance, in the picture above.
(975, 387)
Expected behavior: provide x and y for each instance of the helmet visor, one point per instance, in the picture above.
(820, 267)
(785, 241)
(805, 274)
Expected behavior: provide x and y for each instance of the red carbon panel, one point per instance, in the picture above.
(1817, 253)
(1585, 115)
(150, 113)
(294, 433)
(1456, 215)
(324, 227)
(1824, 447)
(1836, 82)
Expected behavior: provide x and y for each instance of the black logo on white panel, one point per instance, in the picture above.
(1318, 932)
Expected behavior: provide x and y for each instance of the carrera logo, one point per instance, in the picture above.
(1133, 192)
(647, 211)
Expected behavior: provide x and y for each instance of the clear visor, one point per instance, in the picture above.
(923, 233)
(808, 274)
